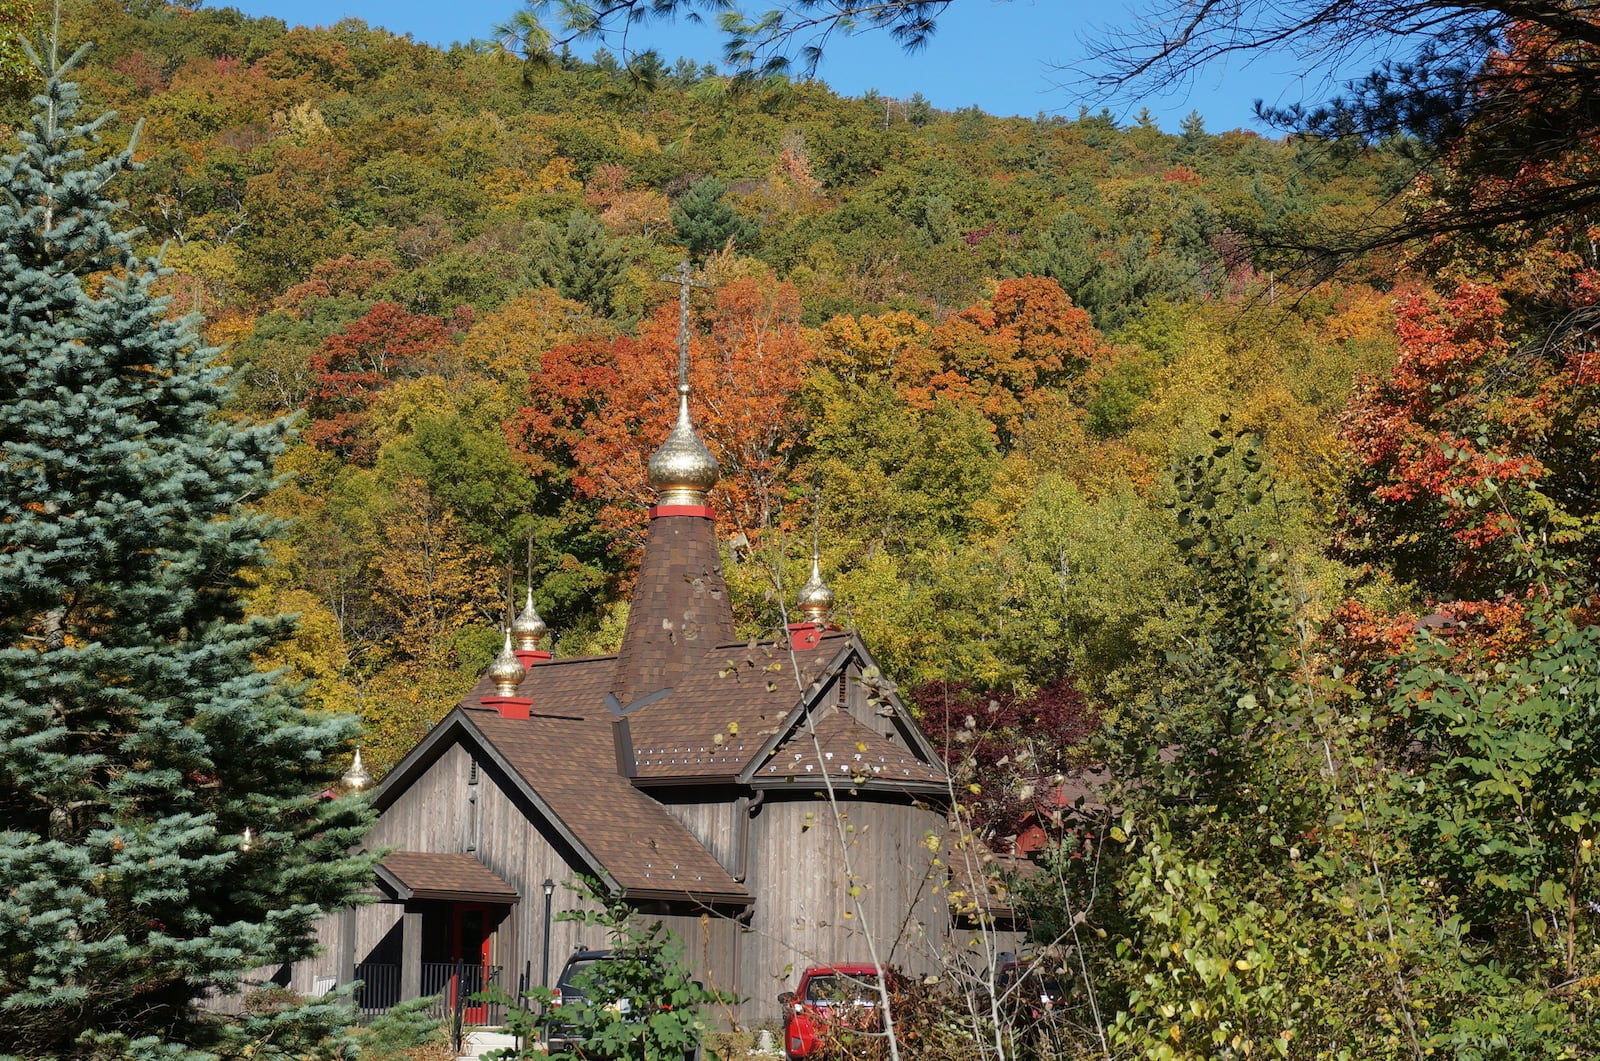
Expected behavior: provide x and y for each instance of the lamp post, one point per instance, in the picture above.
(544, 970)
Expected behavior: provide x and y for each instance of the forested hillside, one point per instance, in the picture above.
(972, 347)
(1307, 561)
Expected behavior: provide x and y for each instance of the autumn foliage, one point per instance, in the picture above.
(605, 405)
(1460, 454)
(387, 343)
(1010, 357)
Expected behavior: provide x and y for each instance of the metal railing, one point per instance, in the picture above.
(454, 984)
(379, 991)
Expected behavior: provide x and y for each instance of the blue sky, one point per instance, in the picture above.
(1001, 55)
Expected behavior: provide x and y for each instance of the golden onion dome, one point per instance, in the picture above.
(816, 599)
(507, 671)
(356, 778)
(527, 629)
(683, 471)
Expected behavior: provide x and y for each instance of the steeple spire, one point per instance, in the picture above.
(682, 470)
(816, 599)
(528, 628)
(680, 608)
(507, 671)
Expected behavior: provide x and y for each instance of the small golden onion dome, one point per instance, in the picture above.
(357, 778)
(527, 629)
(816, 599)
(683, 471)
(506, 671)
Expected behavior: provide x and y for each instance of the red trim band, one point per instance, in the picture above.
(703, 511)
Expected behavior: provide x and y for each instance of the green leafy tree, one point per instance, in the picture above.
(139, 741)
(18, 18)
(1500, 789)
(706, 222)
(640, 1004)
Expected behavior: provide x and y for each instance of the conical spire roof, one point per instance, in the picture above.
(680, 608)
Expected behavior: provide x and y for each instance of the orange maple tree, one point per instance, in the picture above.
(1009, 357)
(1450, 448)
(600, 407)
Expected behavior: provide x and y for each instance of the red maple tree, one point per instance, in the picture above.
(1014, 749)
(356, 363)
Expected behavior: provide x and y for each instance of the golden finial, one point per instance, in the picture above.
(683, 470)
(507, 671)
(816, 599)
(528, 629)
(356, 778)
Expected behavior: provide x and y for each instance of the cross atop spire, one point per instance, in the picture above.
(682, 470)
(683, 276)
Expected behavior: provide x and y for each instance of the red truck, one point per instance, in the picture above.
(832, 1004)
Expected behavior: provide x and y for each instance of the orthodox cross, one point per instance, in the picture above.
(683, 276)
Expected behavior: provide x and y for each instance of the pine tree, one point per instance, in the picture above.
(580, 260)
(138, 739)
(706, 222)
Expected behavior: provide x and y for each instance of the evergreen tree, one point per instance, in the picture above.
(706, 222)
(164, 819)
(580, 260)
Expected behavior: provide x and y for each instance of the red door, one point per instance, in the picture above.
(469, 945)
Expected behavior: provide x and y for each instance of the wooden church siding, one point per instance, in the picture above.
(431, 814)
(308, 977)
(797, 873)
(716, 819)
(710, 945)
(373, 925)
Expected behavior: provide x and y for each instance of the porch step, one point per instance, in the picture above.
(478, 1042)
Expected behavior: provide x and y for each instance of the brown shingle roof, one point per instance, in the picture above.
(723, 713)
(848, 752)
(430, 875)
(566, 754)
(573, 753)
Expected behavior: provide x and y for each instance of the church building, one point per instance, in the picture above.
(759, 798)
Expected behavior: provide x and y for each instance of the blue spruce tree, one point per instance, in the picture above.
(139, 739)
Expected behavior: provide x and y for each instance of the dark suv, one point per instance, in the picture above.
(585, 972)
(570, 990)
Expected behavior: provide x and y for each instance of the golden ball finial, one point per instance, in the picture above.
(507, 671)
(816, 599)
(528, 629)
(683, 471)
